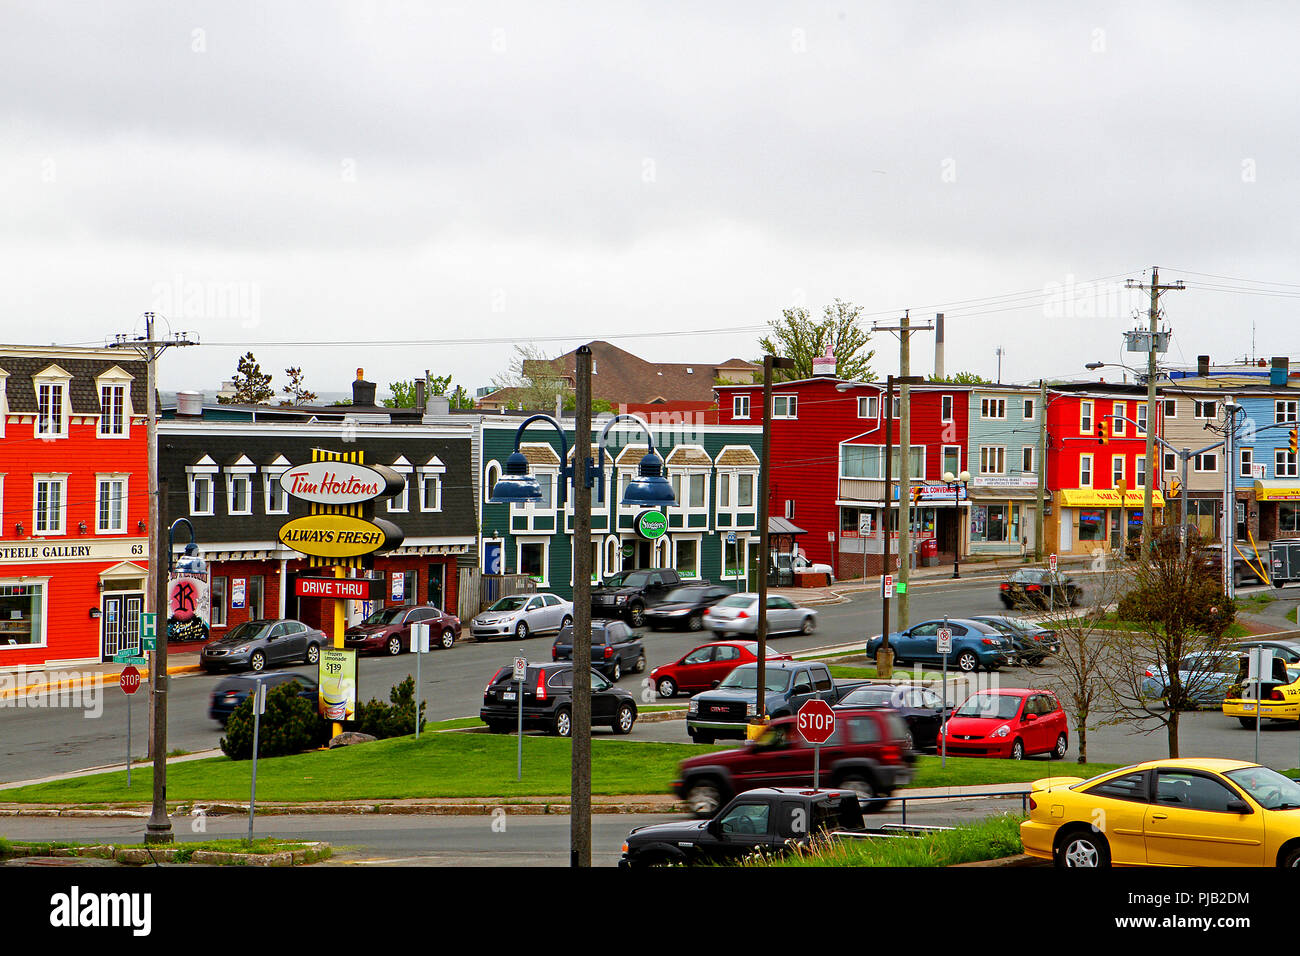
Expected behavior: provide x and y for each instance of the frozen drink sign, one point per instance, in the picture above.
(338, 684)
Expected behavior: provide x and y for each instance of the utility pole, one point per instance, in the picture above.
(1153, 314)
(1042, 471)
(580, 783)
(770, 362)
(904, 330)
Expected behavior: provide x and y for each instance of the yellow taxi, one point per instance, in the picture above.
(1185, 812)
(1279, 696)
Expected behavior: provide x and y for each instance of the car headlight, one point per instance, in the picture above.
(1001, 731)
(693, 707)
(751, 709)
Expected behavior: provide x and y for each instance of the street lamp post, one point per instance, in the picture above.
(957, 483)
(649, 489)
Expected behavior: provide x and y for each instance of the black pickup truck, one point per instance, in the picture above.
(627, 595)
(725, 710)
(770, 819)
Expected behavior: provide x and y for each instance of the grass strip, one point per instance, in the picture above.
(989, 839)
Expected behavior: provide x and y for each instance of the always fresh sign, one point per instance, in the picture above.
(339, 536)
(340, 482)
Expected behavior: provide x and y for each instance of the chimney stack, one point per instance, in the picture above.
(1203, 366)
(363, 392)
(1277, 375)
(419, 395)
(938, 345)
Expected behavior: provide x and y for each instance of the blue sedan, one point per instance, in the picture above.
(975, 644)
(1206, 677)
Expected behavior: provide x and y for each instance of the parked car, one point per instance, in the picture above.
(727, 709)
(921, 709)
(771, 819)
(974, 644)
(738, 614)
(232, 691)
(706, 666)
(1039, 588)
(683, 608)
(257, 644)
(1033, 644)
(1277, 696)
(629, 594)
(1189, 812)
(389, 629)
(1206, 677)
(521, 615)
(615, 648)
(548, 701)
(1011, 723)
(866, 754)
(1244, 571)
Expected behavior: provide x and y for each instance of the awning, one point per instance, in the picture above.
(1276, 492)
(781, 526)
(1107, 498)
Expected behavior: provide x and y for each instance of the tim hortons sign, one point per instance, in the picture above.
(340, 482)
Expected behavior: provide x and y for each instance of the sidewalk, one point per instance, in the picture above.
(181, 659)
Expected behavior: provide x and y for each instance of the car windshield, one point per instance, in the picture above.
(993, 706)
(868, 697)
(512, 603)
(1270, 789)
(746, 678)
(247, 631)
(628, 579)
(683, 594)
(737, 600)
(385, 615)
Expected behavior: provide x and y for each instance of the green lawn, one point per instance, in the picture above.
(990, 839)
(1290, 615)
(850, 672)
(973, 771)
(1109, 622)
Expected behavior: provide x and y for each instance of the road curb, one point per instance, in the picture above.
(99, 679)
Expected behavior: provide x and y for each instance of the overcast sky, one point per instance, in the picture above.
(313, 172)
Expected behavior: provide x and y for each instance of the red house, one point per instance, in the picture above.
(1096, 466)
(74, 540)
(827, 464)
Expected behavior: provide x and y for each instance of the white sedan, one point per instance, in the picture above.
(521, 615)
(738, 614)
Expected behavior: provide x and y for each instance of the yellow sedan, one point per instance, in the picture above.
(1192, 812)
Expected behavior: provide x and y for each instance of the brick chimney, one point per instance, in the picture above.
(363, 392)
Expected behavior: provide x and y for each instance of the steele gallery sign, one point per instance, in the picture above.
(112, 549)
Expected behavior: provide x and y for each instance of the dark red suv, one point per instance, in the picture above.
(867, 754)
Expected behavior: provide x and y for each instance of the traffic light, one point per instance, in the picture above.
(916, 496)
(1175, 486)
(1103, 431)
(1293, 441)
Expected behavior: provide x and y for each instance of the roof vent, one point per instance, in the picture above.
(189, 403)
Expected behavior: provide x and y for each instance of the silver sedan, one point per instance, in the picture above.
(738, 614)
(521, 615)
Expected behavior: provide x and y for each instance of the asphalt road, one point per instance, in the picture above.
(427, 840)
(40, 742)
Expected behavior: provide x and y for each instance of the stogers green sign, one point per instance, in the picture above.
(651, 525)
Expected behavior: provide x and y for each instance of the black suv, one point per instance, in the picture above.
(615, 649)
(629, 593)
(548, 701)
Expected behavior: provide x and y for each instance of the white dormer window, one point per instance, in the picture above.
(399, 503)
(114, 403)
(239, 487)
(53, 402)
(431, 484)
(276, 501)
(202, 476)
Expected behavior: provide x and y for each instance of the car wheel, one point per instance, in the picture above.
(636, 614)
(1062, 745)
(695, 622)
(448, 638)
(865, 791)
(968, 662)
(667, 687)
(1292, 859)
(640, 665)
(908, 740)
(258, 661)
(808, 626)
(521, 632)
(395, 645)
(563, 723)
(1083, 848)
(704, 798)
(625, 719)
(617, 672)
(1018, 750)
(313, 654)
(566, 622)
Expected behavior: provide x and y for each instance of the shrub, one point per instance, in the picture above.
(289, 726)
(396, 719)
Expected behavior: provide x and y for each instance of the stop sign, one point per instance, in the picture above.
(130, 679)
(816, 721)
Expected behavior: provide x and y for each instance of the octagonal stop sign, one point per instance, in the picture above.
(129, 679)
(816, 721)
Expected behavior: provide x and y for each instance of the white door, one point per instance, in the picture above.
(1067, 530)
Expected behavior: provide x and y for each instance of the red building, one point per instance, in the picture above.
(74, 539)
(1096, 467)
(827, 464)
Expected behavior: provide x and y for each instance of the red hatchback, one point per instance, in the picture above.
(1007, 723)
(705, 666)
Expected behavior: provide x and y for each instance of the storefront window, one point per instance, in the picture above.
(1288, 518)
(687, 563)
(733, 559)
(1092, 526)
(218, 609)
(532, 559)
(20, 614)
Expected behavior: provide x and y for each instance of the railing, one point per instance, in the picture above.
(904, 799)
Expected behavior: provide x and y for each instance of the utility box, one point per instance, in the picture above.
(1284, 562)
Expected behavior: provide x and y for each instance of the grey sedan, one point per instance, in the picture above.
(521, 615)
(738, 614)
(258, 644)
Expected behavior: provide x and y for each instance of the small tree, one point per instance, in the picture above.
(534, 379)
(290, 725)
(296, 389)
(962, 378)
(403, 393)
(1177, 603)
(252, 385)
(796, 336)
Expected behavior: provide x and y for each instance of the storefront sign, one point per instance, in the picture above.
(1107, 498)
(114, 549)
(1020, 480)
(938, 493)
(651, 525)
(340, 482)
(339, 536)
(337, 681)
(188, 607)
(340, 589)
(1265, 492)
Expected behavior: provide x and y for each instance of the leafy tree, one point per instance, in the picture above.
(796, 336)
(297, 389)
(252, 385)
(396, 719)
(533, 378)
(403, 393)
(962, 378)
(598, 405)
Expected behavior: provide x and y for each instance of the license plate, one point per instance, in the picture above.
(1266, 710)
(508, 695)
(1248, 707)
